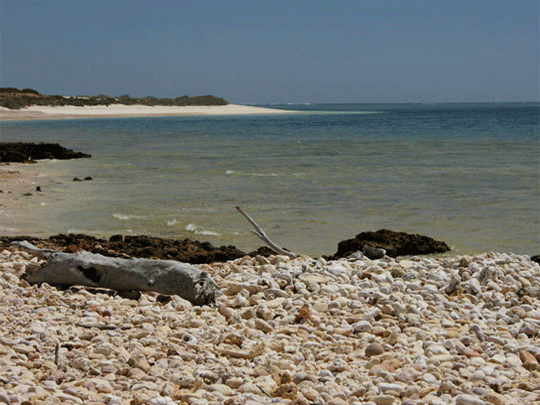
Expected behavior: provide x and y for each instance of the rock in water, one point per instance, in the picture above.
(394, 243)
(28, 152)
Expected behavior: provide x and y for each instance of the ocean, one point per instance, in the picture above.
(466, 174)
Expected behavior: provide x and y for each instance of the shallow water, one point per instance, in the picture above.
(465, 174)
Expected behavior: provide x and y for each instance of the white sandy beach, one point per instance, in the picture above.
(120, 110)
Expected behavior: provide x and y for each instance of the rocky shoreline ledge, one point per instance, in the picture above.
(373, 244)
(421, 330)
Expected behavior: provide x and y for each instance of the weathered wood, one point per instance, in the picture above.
(94, 270)
(261, 234)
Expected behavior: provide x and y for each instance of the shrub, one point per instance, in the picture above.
(13, 103)
(29, 91)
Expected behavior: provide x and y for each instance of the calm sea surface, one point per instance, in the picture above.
(467, 174)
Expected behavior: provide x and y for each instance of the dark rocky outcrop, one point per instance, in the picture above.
(20, 152)
(183, 250)
(394, 243)
(196, 252)
(536, 259)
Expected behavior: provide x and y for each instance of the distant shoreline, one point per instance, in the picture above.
(119, 110)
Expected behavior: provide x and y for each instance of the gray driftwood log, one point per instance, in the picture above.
(166, 277)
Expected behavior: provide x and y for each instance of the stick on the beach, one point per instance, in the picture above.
(261, 234)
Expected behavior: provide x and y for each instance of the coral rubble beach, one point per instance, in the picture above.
(120, 110)
(415, 330)
(420, 330)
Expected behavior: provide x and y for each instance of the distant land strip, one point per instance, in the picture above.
(15, 99)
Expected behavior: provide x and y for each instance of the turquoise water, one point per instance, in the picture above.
(467, 174)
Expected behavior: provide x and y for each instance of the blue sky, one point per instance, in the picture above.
(272, 51)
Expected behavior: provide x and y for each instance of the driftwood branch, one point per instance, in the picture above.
(57, 354)
(93, 270)
(261, 234)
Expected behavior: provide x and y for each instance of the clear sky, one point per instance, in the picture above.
(272, 51)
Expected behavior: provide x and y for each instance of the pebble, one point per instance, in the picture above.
(439, 330)
(362, 326)
(429, 378)
(384, 399)
(390, 387)
(465, 399)
(374, 349)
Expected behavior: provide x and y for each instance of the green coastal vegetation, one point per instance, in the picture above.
(15, 99)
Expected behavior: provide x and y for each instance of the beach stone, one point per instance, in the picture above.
(263, 325)
(286, 391)
(337, 270)
(411, 391)
(330, 288)
(384, 399)
(529, 360)
(320, 305)
(136, 373)
(275, 303)
(408, 375)
(374, 349)
(161, 401)
(429, 378)
(441, 358)
(223, 389)
(406, 264)
(446, 386)
(493, 398)
(144, 396)
(466, 399)
(113, 400)
(362, 326)
(63, 397)
(513, 359)
(466, 351)
(337, 401)
(79, 392)
(434, 400)
(101, 385)
(81, 363)
(528, 329)
(139, 361)
(478, 375)
(384, 387)
(498, 358)
(308, 392)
